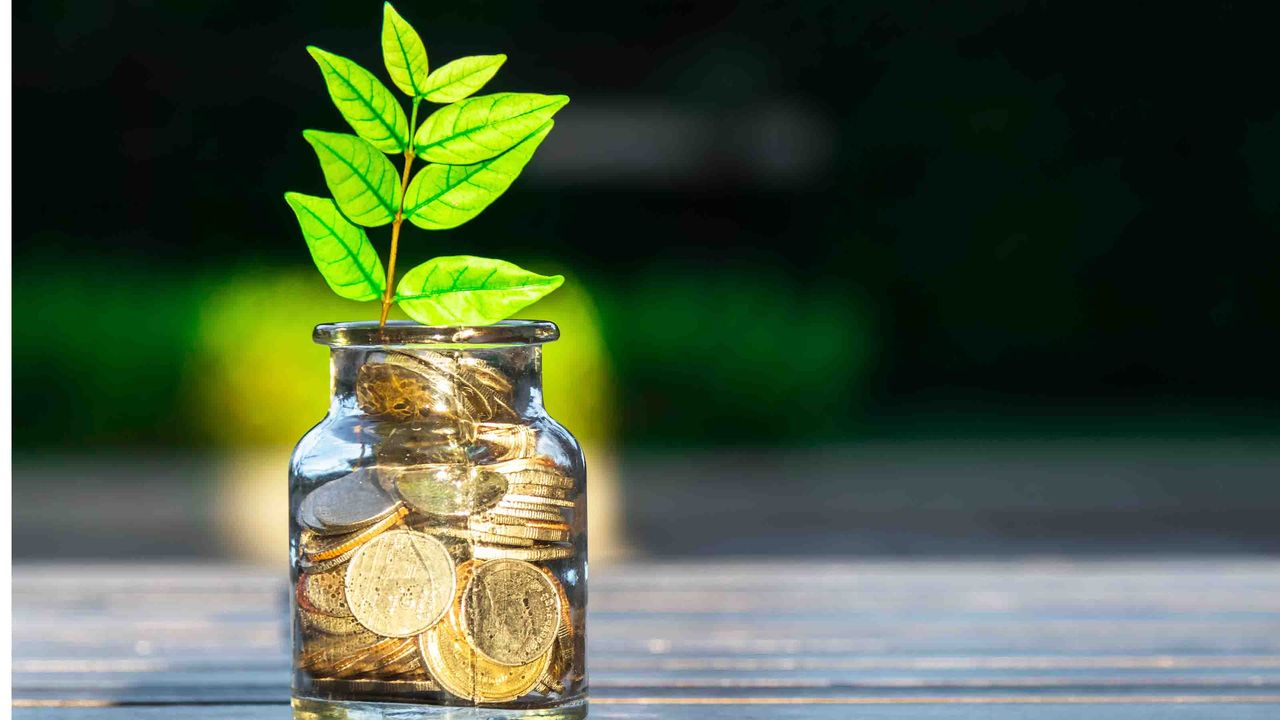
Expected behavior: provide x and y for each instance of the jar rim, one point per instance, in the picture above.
(367, 333)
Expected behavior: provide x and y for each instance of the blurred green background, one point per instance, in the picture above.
(799, 225)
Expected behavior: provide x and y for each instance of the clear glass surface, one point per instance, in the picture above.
(438, 542)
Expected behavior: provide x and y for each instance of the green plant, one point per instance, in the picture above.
(474, 147)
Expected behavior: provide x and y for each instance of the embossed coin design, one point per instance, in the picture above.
(324, 593)
(348, 503)
(461, 671)
(510, 612)
(400, 583)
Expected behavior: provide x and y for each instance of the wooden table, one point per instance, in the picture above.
(1016, 639)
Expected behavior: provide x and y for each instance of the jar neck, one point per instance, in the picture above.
(505, 377)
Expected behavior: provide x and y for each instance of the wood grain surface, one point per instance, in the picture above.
(866, 639)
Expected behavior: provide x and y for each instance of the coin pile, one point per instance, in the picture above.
(419, 574)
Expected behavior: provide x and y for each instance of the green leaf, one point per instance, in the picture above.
(445, 196)
(404, 53)
(462, 77)
(466, 290)
(362, 180)
(341, 251)
(366, 104)
(482, 127)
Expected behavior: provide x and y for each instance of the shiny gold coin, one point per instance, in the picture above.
(368, 659)
(316, 623)
(510, 612)
(336, 545)
(462, 672)
(320, 566)
(507, 521)
(407, 667)
(563, 653)
(537, 553)
(400, 583)
(323, 593)
(348, 503)
(536, 500)
(453, 490)
(319, 652)
(492, 525)
(477, 536)
(504, 510)
(522, 505)
(540, 491)
(566, 610)
(395, 392)
(507, 441)
(472, 389)
(561, 660)
(533, 471)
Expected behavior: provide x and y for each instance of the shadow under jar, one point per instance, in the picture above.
(438, 543)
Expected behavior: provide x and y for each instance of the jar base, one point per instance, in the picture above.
(305, 708)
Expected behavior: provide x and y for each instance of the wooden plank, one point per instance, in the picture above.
(720, 639)
(1190, 710)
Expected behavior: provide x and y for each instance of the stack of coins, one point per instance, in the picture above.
(420, 574)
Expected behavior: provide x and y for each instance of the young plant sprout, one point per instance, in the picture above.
(472, 148)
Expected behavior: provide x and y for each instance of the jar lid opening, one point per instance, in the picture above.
(406, 332)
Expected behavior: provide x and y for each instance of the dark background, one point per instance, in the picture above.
(1045, 232)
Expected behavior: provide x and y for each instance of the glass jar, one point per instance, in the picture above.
(438, 541)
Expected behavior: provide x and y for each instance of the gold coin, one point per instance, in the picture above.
(510, 612)
(523, 505)
(551, 516)
(320, 566)
(536, 500)
(508, 522)
(461, 671)
(394, 392)
(521, 531)
(508, 441)
(348, 503)
(539, 491)
(482, 551)
(323, 593)
(561, 660)
(400, 583)
(533, 471)
(454, 490)
(470, 388)
(317, 623)
(369, 659)
(566, 610)
(336, 545)
(407, 667)
(477, 536)
(562, 657)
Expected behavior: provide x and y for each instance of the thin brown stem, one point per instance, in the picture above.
(389, 293)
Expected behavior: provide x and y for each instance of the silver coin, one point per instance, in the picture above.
(348, 503)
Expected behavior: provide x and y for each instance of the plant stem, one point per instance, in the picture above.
(399, 219)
